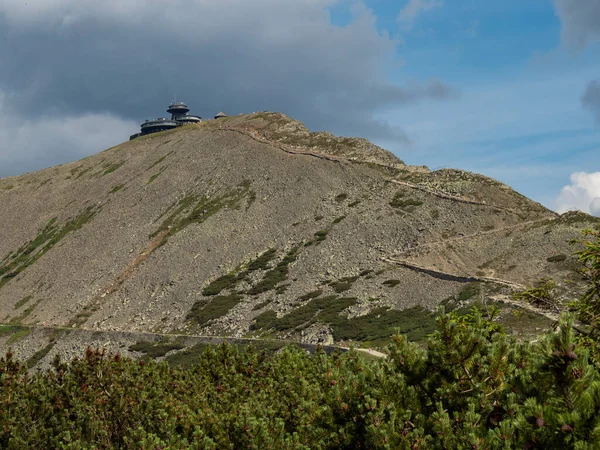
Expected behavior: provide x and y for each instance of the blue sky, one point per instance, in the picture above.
(509, 89)
(519, 116)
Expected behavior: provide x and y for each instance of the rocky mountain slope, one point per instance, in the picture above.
(253, 226)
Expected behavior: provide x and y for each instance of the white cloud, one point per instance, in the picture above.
(33, 145)
(413, 9)
(582, 194)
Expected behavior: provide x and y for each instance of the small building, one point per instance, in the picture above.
(221, 115)
(179, 116)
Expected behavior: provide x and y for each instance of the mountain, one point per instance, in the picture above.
(252, 226)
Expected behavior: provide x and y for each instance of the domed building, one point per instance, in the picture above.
(179, 116)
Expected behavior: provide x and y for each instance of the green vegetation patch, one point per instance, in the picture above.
(156, 175)
(23, 301)
(262, 262)
(338, 219)
(276, 275)
(47, 237)
(203, 311)
(39, 355)
(7, 330)
(25, 314)
(160, 160)
(468, 292)
(323, 310)
(341, 197)
(310, 295)
(19, 334)
(188, 357)
(193, 209)
(155, 349)
(557, 258)
(261, 305)
(321, 235)
(381, 323)
(8, 187)
(391, 283)
(117, 188)
(220, 284)
(110, 168)
(400, 202)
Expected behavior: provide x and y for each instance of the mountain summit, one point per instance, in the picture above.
(253, 226)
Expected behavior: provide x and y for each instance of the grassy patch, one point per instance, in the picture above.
(8, 187)
(23, 301)
(159, 160)
(323, 310)
(188, 357)
(220, 284)
(468, 292)
(391, 283)
(156, 175)
(380, 324)
(110, 168)
(275, 276)
(204, 311)
(47, 238)
(193, 209)
(399, 202)
(310, 295)
(19, 334)
(39, 355)
(7, 330)
(117, 188)
(557, 258)
(25, 313)
(82, 173)
(321, 235)
(341, 197)
(155, 349)
(261, 305)
(262, 261)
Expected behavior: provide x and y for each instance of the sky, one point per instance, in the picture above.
(509, 89)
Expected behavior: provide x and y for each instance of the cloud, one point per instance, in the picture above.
(580, 21)
(129, 57)
(33, 145)
(582, 194)
(413, 9)
(591, 98)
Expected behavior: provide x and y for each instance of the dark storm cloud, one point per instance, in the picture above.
(130, 57)
(591, 98)
(580, 21)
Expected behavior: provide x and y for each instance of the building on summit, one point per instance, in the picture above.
(179, 116)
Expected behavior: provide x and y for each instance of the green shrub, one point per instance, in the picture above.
(155, 349)
(310, 295)
(220, 284)
(341, 197)
(204, 311)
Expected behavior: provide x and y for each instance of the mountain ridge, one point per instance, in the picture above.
(295, 228)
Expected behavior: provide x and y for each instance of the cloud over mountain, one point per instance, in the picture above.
(582, 194)
(128, 58)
